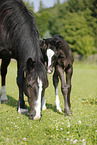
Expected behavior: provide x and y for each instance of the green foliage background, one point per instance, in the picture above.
(75, 20)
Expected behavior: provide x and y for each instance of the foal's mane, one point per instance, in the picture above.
(17, 19)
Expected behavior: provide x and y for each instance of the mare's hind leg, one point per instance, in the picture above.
(55, 83)
(68, 82)
(4, 65)
(64, 88)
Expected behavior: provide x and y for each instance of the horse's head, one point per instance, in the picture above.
(50, 54)
(33, 89)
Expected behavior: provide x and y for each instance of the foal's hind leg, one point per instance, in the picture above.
(4, 65)
(68, 82)
(55, 83)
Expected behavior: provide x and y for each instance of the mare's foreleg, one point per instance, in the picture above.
(4, 65)
(21, 102)
(55, 83)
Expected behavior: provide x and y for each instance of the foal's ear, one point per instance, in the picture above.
(45, 41)
(30, 64)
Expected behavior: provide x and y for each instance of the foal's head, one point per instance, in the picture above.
(50, 54)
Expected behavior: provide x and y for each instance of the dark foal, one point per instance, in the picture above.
(19, 39)
(58, 55)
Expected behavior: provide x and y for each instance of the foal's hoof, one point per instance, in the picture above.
(59, 110)
(22, 111)
(44, 108)
(67, 112)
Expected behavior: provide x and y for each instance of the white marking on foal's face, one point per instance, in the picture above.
(50, 54)
(38, 102)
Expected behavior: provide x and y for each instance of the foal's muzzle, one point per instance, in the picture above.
(50, 69)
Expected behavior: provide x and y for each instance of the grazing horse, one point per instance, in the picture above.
(19, 39)
(58, 55)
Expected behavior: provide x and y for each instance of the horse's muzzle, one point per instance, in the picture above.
(49, 70)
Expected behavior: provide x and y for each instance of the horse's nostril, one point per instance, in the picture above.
(31, 116)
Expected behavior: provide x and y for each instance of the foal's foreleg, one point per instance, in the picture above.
(55, 83)
(4, 66)
(64, 89)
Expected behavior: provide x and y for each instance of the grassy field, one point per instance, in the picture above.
(53, 128)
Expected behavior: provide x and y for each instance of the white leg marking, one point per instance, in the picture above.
(43, 103)
(57, 102)
(22, 111)
(3, 94)
(38, 102)
(50, 54)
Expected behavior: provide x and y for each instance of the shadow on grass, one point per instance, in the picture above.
(53, 108)
(14, 103)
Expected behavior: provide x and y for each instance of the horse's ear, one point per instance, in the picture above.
(43, 46)
(45, 41)
(30, 64)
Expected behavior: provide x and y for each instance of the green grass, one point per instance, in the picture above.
(53, 128)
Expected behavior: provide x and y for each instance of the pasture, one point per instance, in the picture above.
(53, 128)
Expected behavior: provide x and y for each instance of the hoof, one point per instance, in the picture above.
(59, 109)
(4, 100)
(22, 111)
(44, 108)
(67, 112)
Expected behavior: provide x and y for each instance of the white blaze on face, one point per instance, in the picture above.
(50, 54)
(38, 102)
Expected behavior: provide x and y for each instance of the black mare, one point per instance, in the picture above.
(58, 55)
(19, 39)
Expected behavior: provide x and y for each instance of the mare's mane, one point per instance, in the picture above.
(19, 22)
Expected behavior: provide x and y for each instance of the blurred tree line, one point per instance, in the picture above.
(75, 20)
